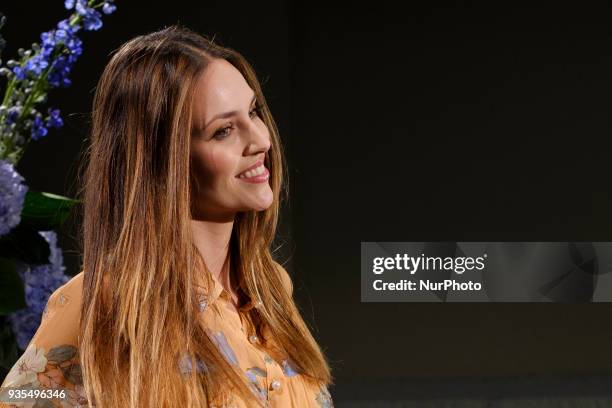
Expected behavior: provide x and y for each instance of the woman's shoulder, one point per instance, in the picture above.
(66, 297)
(61, 316)
(74, 284)
(69, 291)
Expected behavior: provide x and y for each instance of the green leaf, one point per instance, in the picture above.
(12, 294)
(24, 243)
(46, 211)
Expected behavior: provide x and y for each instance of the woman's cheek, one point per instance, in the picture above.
(222, 163)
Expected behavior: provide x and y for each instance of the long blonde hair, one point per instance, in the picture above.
(139, 311)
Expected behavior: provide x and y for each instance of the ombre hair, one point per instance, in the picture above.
(140, 311)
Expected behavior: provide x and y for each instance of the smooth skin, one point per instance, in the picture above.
(222, 148)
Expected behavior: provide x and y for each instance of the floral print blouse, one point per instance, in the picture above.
(51, 359)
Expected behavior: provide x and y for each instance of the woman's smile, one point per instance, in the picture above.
(258, 174)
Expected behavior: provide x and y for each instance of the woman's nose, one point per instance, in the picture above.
(258, 138)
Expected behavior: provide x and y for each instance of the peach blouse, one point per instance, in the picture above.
(51, 359)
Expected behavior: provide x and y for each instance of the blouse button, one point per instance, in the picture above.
(253, 338)
(276, 385)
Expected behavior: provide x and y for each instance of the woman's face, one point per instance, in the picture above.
(229, 137)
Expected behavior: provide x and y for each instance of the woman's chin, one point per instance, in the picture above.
(263, 203)
(262, 207)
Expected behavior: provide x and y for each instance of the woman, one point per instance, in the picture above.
(179, 303)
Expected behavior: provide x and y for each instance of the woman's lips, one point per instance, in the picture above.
(257, 175)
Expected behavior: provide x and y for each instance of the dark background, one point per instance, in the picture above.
(459, 121)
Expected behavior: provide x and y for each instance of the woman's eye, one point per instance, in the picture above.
(222, 132)
(257, 110)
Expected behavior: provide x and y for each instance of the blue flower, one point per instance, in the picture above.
(39, 283)
(54, 120)
(58, 75)
(81, 7)
(12, 196)
(12, 114)
(108, 8)
(65, 25)
(19, 72)
(36, 65)
(48, 43)
(92, 19)
(69, 4)
(61, 35)
(74, 45)
(38, 129)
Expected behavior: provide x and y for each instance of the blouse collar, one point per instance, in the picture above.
(219, 291)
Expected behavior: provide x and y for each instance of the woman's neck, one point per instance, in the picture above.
(212, 239)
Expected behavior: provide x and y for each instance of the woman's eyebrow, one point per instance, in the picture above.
(228, 114)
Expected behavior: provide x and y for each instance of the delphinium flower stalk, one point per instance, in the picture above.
(44, 66)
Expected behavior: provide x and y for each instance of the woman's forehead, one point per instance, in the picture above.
(220, 89)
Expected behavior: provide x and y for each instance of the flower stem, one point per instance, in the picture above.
(9, 90)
